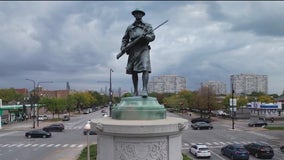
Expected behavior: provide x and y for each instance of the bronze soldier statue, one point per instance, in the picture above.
(139, 54)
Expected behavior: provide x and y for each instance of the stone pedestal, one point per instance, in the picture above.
(154, 139)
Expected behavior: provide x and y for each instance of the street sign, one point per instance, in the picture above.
(233, 102)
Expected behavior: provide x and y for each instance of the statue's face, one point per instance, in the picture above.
(138, 15)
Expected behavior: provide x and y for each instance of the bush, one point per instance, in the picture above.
(275, 127)
(93, 153)
(185, 157)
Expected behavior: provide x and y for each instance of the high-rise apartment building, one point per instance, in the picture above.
(218, 87)
(167, 84)
(248, 83)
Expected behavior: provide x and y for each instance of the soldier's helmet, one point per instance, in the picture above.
(138, 11)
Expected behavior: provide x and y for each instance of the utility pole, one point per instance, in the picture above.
(110, 92)
(37, 109)
(233, 108)
(32, 101)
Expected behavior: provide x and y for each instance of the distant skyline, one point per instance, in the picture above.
(77, 41)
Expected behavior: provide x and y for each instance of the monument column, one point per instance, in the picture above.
(146, 134)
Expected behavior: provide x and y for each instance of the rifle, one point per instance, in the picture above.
(134, 42)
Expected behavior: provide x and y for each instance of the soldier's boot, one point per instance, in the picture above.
(145, 78)
(135, 83)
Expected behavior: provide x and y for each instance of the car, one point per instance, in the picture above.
(91, 132)
(59, 127)
(38, 134)
(260, 150)
(42, 117)
(257, 123)
(194, 120)
(200, 150)
(4, 120)
(235, 152)
(201, 125)
(65, 118)
(282, 149)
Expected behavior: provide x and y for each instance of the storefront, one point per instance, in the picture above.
(266, 110)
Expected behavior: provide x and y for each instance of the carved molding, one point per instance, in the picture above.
(151, 150)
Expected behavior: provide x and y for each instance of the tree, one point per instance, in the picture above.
(70, 104)
(8, 95)
(205, 100)
(188, 96)
(175, 101)
(265, 99)
(100, 99)
(242, 101)
(50, 104)
(127, 95)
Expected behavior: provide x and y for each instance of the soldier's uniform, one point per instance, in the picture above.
(139, 55)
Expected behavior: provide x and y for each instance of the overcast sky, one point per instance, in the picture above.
(77, 42)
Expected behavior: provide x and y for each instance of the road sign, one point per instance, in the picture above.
(234, 103)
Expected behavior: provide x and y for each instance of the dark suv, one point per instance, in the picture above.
(235, 152)
(260, 150)
(59, 127)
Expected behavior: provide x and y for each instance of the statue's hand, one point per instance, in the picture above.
(148, 38)
(122, 48)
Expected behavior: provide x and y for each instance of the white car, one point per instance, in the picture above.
(200, 150)
(42, 117)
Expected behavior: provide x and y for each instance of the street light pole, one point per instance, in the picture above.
(32, 101)
(110, 92)
(88, 128)
(37, 113)
(233, 109)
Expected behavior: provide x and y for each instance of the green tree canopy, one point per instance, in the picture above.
(8, 95)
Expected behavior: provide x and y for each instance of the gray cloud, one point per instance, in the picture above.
(77, 41)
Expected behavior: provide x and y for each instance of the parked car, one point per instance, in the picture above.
(66, 118)
(37, 134)
(4, 120)
(260, 150)
(201, 125)
(257, 123)
(194, 120)
(200, 150)
(42, 117)
(59, 127)
(235, 152)
(282, 149)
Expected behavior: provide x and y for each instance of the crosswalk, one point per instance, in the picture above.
(218, 144)
(30, 145)
(74, 128)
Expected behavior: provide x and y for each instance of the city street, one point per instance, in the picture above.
(68, 144)
(64, 145)
(222, 135)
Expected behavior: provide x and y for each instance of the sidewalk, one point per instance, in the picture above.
(24, 125)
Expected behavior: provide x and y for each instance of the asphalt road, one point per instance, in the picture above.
(223, 134)
(64, 145)
(68, 144)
